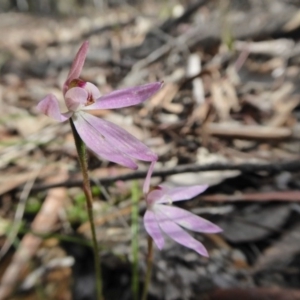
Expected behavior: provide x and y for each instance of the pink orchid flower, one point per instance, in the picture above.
(104, 138)
(169, 219)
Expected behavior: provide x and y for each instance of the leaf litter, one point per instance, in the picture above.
(228, 99)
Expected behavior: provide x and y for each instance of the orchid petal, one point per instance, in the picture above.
(126, 97)
(49, 106)
(154, 196)
(75, 98)
(189, 221)
(181, 193)
(120, 139)
(99, 143)
(92, 90)
(153, 229)
(146, 185)
(176, 233)
(77, 65)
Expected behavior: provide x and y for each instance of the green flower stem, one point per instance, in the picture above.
(135, 195)
(82, 156)
(149, 268)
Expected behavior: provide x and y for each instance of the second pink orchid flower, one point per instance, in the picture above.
(163, 218)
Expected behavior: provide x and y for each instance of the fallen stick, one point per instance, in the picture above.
(290, 196)
(292, 166)
(253, 132)
(255, 294)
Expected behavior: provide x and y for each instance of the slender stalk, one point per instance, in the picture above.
(135, 240)
(82, 156)
(149, 268)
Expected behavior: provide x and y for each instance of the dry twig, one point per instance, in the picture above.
(291, 166)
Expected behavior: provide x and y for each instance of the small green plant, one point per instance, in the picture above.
(76, 212)
(33, 205)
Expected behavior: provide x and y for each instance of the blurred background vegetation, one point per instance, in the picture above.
(55, 7)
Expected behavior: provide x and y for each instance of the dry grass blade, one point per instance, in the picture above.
(44, 136)
(18, 215)
(42, 224)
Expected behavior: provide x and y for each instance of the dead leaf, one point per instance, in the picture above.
(254, 223)
(281, 252)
